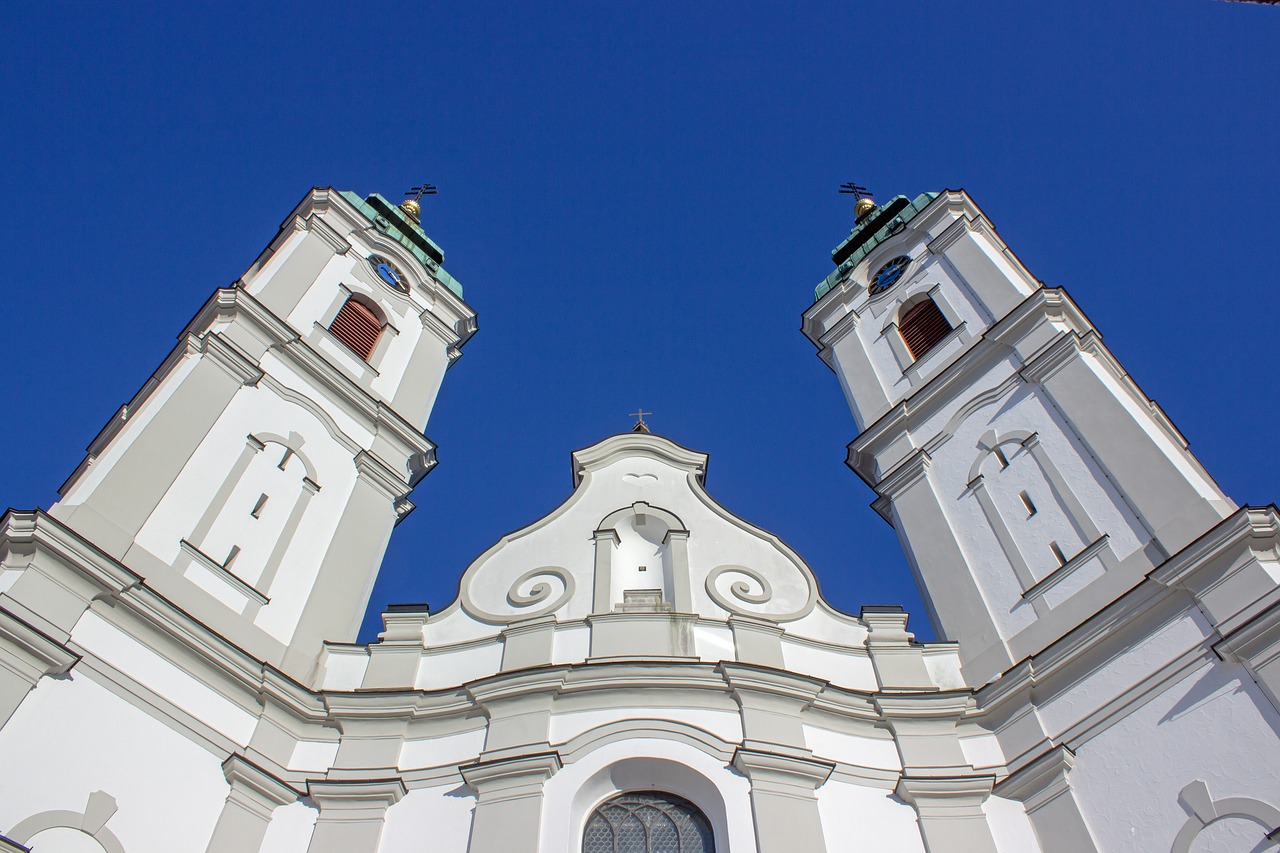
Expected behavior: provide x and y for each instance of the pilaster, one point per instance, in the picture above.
(898, 662)
(1044, 788)
(254, 795)
(508, 813)
(345, 579)
(26, 656)
(782, 798)
(941, 567)
(352, 813)
(394, 660)
(950, 812)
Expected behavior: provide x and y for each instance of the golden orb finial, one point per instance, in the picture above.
(412, 208)
(863, 207)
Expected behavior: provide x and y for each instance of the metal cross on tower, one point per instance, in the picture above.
(858, 191)
(639, 414)
(419, 191)
(862, 196)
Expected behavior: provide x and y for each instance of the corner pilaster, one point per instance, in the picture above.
(508, 813)
(950, 812)
(26, 656)
(254, 795)
(783, 801)
(352, 813)
(1044, 788)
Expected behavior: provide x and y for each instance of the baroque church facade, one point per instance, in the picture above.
(640, 670)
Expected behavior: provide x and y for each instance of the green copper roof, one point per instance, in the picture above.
(396, 224)
(872, 230)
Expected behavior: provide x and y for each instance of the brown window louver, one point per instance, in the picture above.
(357, 327)
(922, 327)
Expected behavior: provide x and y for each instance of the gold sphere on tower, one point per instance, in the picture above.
(863, 207)
(412, 208)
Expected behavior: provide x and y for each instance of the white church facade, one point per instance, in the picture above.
(640, 670)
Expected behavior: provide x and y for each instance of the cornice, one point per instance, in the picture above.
(41, 653)
(921, 705)
(996, 344)
(752, 678)
(627, 444)
(762, 766)
(229, 304)
(379, 794)
(1257, 528)
(244, 775)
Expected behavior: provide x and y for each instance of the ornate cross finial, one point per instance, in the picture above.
(861, 195)
(639, 414)
(412, 203)
(857, 191)
(419, 191)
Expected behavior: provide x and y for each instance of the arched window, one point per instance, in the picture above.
(358, 327)
(922, 327)
(648, 822)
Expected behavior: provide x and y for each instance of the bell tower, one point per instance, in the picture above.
(255, 478)
(1028, 477)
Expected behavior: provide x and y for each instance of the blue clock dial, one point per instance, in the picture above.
(887, 276)
(388, 273)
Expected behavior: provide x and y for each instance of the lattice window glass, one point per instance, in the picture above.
(648, 822)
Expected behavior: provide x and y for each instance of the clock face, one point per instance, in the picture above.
(887, 276)
(388, 273)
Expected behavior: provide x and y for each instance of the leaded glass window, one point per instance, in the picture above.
(648, 822)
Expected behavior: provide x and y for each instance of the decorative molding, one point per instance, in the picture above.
(222, 573)
(364, 795)
(1041, 780)
(254, 788)
(781, 773)
(1060, 574)
(504, 779)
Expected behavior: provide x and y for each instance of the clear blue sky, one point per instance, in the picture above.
(639, 199)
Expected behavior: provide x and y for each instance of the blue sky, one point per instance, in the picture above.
(639, 199)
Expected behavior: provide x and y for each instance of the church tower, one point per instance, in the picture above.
(255, 478)
(1029, 478)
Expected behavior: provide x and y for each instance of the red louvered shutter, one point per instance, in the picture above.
(923, 327)
(357, 327)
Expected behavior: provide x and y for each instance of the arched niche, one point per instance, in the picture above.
(638, 549)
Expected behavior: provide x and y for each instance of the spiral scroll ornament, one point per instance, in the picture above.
(749, 593)
(535, 593)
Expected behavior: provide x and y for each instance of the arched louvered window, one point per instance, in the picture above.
(648, 822)
(922, 327)
(358, 327)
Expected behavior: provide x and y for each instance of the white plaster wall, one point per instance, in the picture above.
(290, 829)
(437, 818)
(79, 491)
(344, 667)
(418, 753)
(71, 737)
(108, 643)
(257, 410)
(572, 644)
(857, 817)
(314, 756)
(1119, 675)
(451, 668)
(840, 667)
(1024, 411)
(859, 750)
(1213, 725)
(725, 725)
(1010, 827)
